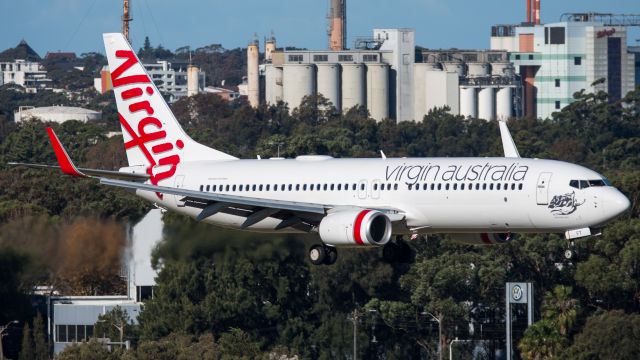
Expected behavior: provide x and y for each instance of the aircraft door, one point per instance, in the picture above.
(179, 184)
(362, 189)
(375, 189)
(542, 189)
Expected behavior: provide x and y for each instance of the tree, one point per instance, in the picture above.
(116, 325)
(559, 308)
(541, 340)
(91, 350)
(26, 351)
(609, 335)
(39, 338)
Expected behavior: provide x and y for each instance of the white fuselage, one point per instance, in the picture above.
(436, 195)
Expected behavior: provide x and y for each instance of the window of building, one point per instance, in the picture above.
(370, 58)
(556, 35)
(530, 56)
(320, 58)
(295, 58)
(144, 293)
(557, 104)
(517, 56)
(577, 60)
(557, 82)
(344, 58)
(61, 332)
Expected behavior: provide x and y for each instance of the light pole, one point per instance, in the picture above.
(2, 335)
(119, 328)
(451, 346)
(439, 332)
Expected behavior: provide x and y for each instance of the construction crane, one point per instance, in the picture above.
(605, 18)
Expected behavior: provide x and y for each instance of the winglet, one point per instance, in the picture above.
(66, 165)
(508, 145)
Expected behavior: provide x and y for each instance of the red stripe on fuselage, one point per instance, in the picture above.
(357, 235)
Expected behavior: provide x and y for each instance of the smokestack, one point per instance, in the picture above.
(253, 77)
(193, 81)
(529, 12)
(338, 25)
(537, 12)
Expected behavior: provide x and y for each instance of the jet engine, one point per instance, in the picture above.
(483, 239)
(359, 227)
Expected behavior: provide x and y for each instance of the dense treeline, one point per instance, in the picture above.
(234, 295)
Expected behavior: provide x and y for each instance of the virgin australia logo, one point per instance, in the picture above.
(564, 204)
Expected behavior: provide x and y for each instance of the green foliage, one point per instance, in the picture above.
(609, 335)
(91, 350)
(41, 348)
(27, 350)
(541, 340)
(112, 322)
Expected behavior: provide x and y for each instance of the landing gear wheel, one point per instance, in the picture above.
(569, 254)
(317, 254)
(331, 255)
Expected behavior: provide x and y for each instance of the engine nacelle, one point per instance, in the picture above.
(483, 239)
(356, 228)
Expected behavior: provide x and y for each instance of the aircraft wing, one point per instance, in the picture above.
(299, 215)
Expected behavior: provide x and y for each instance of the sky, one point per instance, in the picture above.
(77, 25)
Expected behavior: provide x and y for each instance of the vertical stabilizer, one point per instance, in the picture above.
(153, 138)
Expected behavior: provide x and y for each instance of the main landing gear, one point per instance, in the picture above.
(397, 251)
(323, 255)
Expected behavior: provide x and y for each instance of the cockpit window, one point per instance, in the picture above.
(599, 182)
(583, 184)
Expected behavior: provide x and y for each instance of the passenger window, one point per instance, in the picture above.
(513, 186)
(227, 188)
(297, 187)
(233, 188)
(462, 186)
(304, 187)
(433, 186)
(484, 186)
(470, 186)
(455, 186)
(362, 186)
(207, 187)
(253, 187)
(395, 186)
(519, 186)
(241, 187)
(424, 186)
(332, 187)
(439, 186)
(275, 187)
(311, 187)
(260, 187)
(506, 186)
(498, 186)
(375, 187)
(290, 187)
(339, 187)
(477, 186)
(410, 186)
(346, 187)
(324, 187)
(354, 187)
(491, 186)
(446, 187)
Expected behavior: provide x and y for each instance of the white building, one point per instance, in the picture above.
(377, 75)
(172, 78)
(558, 59)
(28, 74)
(58, 114)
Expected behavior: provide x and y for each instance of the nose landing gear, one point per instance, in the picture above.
(570, 252)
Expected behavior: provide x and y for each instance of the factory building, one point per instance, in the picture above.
(58, 114)
(472, 83)
(379, 77)
(29, 74)
(558, 59)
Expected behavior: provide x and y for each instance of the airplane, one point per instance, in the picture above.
(350, 202)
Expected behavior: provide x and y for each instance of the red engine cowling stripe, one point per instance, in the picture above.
(357, 236)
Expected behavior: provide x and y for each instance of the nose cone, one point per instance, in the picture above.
(619, 204)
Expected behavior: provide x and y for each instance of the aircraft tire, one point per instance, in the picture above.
(317, 254)
(331, 255)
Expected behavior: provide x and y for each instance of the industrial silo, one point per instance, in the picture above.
(354, 92)
(378, 90)
(329, 83)
(273, 84)
(504, 103)
(193, 80)
(468, 102)
(253, 75)
(454, 66)
(420, 87)
(299, 80)
(504, 69)
(478, 69)
(486, 103)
